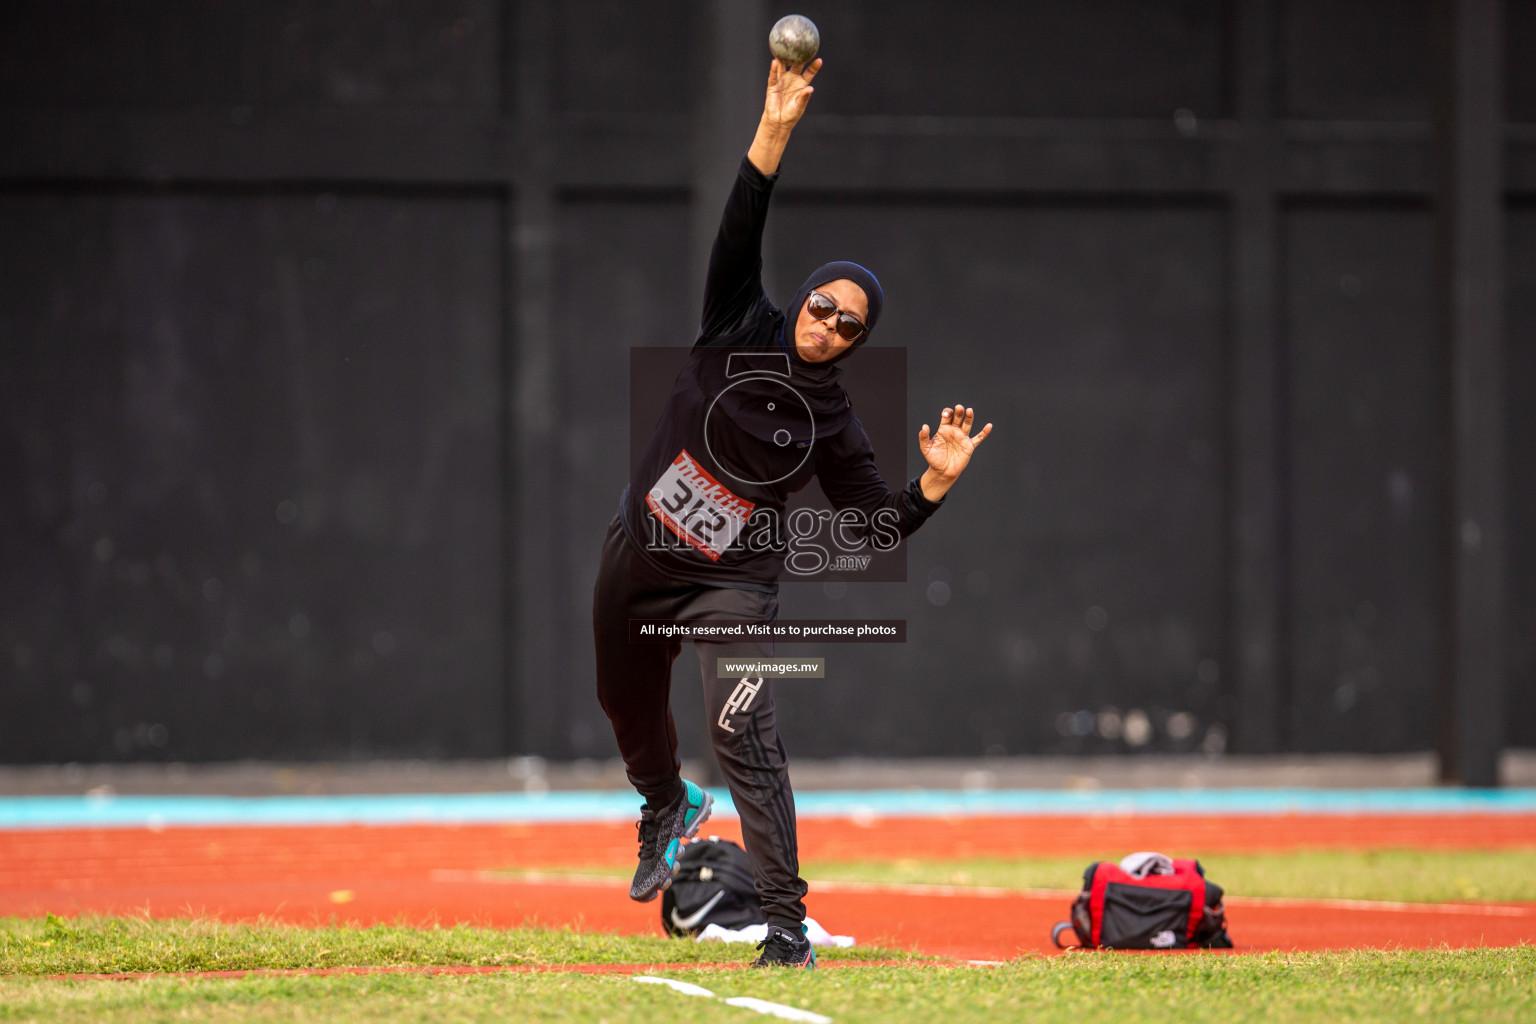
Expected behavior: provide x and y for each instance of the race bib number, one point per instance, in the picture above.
(697, 507)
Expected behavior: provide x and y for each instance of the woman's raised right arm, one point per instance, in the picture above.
(733, 288)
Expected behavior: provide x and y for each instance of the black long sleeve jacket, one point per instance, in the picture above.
(706, 502)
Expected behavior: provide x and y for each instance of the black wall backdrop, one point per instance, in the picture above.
(314, 324)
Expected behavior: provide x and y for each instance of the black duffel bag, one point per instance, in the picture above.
(713, 885)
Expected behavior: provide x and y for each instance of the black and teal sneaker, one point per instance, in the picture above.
(661, 836)
(784, 948)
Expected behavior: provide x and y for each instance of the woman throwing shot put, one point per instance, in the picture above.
(755, 413)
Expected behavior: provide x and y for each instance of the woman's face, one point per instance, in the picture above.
(816, 341)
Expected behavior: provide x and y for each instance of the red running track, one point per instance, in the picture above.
(427, 874)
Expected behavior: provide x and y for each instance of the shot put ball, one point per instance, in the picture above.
(794, 40)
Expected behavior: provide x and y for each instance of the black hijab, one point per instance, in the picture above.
(826, 274)
(756, 402)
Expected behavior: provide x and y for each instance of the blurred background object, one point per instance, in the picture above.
(314, 332)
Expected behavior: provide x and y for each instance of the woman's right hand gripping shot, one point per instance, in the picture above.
(789, 92)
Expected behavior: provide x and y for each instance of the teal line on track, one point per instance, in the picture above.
(489, 808)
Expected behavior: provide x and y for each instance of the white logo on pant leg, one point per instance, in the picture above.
(741, 700)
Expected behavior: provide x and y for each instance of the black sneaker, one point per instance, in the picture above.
(662, 834)
(783, 948)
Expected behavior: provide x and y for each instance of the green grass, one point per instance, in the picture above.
(1465, 985)
(1414, 875)
(109, 945)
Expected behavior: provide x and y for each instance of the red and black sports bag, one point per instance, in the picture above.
(1165, 904)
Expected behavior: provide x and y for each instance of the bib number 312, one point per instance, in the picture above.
(697, 508)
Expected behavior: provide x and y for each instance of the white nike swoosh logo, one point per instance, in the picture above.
(687, 924)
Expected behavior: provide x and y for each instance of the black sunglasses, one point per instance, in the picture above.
(848, 326)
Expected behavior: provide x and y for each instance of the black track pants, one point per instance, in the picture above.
(634, 683)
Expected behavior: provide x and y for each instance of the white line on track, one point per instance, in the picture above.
(990, 892)
(529, 878)
(744, 1002)
(777, 1010)
(1001, 893)
(1466, 909)
(675, 985)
